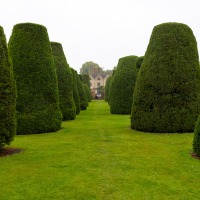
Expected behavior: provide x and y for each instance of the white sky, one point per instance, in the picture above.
(101, 31)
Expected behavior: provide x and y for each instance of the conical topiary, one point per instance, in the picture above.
(107, 89)
(34, 71)
(88, 92)
(65, 82)
(167, 91)
(196, 140)
(82, 94)
(86, 79)
(123, 83)
(7, 95)
(75, 92)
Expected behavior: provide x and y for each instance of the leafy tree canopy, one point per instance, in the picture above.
(87, 66)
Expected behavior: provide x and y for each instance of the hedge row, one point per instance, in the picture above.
(7, 95)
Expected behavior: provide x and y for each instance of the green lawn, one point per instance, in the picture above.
(98, 156)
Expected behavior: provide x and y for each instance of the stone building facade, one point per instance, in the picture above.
(97, 83)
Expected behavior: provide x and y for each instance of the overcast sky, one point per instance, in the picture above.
(101, 31)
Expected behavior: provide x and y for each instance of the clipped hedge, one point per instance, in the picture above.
(7, 95)
(75, 92)
(82, 93)
(196, 140)
(167, 91)
(139, 62)
(34, 71)
(88, 92)
(86, 79)
(107, 89)
(65, 82)
(123, 83)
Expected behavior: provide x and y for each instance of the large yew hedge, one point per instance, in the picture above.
(123, 83)
(37, 89)
(82, 93)
(107, 89)
(75, 92)
(167, 91)
(65, 82)
(7, 95)
(88, 92)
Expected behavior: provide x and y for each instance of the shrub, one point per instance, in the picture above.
(82, 94)
(107, 89)
(86, 79)
(34, 71)
(75, 92)
(123, 83)
(7, 95)
(88, 92)
(196, 140)
(65, 82)
(167, 91)
(139, 62)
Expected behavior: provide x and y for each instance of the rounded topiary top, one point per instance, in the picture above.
(122, 85)
(37, 89)
(65, 82)
(7, 95)
(167, 91)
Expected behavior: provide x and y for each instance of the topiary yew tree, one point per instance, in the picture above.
(65, 82)
(75, 92)
(196, 140)
(82, 94)
(88, 92)
(34, 71)
(7, 95)
(107, 89)
(86, 79)
(167, 92)
(123, 83)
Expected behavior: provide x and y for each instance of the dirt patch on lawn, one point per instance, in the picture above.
(194, 155)
(9, 151)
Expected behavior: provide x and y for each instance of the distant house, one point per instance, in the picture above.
(97, 82)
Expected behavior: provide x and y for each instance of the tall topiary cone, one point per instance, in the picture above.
(196, 140)
(34, 71)
(7, 95)
(75, 92)
(107, 89)
(88, 92)
(81, 92)
(167, 91)
(123, 83)
(65, 82)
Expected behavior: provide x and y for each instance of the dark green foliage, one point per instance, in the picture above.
(65, 82)
(88, 92)
(86, 79)
(122, 86)
(167, 92)
(34, 71)
(7, 95)
(75, 92)
(107, 89)
(196, 141)
(139, 61)
(82, 94)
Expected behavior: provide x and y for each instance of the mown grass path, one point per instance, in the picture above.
(98, 156)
